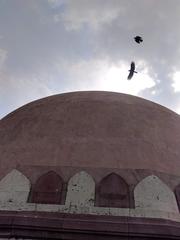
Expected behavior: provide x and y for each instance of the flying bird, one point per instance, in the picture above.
(131, 71)
(138, 39)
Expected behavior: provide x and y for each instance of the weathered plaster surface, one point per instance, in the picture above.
(14, 187)
(81, 190)
(152, 194)
(153, 199)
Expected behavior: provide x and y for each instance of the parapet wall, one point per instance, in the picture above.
(150, 198)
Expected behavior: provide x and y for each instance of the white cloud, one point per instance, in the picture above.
(115, 79)
(176, 81)
(91, 13)
(102, 75)
(44, 58)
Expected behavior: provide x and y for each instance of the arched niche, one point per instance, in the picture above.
(48, 189)
(113, 191)
(81, 190)
(14, 187)
(152, 193)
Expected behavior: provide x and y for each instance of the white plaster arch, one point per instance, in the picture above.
(14, 187)
(152, 194)
(81, 190)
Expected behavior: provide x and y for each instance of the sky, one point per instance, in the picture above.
(49, 47)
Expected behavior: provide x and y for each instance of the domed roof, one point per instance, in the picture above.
(92, 129)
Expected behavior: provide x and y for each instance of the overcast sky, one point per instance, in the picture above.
(53, 46)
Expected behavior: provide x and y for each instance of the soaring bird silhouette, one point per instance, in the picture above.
(138, 39)
(131, 71)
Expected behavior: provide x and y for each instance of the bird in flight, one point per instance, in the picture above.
(131, 71)
(138, 39)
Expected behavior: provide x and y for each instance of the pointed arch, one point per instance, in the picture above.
(81, 190)
(48, 189)
(113, 191)
(14, 187)
(152, 193)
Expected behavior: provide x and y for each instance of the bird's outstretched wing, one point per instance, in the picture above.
(130, 75)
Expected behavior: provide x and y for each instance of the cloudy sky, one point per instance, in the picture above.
(53, 46)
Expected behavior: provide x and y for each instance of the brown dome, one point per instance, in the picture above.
(92, 129)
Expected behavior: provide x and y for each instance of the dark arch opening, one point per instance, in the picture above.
(48, 189)
(113, 191)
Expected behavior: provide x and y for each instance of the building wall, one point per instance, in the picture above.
(152, 197)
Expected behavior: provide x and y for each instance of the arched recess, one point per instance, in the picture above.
(151, 193)
(81, 190)
(14, 187)
(48, 189)
(113, 191)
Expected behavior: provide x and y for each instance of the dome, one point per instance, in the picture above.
(90, 164)
(92, 129)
